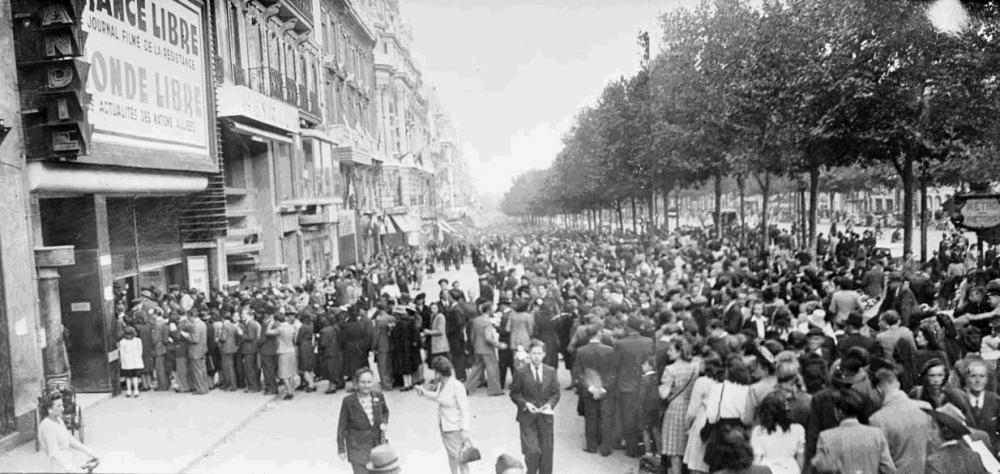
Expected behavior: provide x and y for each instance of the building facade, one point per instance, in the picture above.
(240, 143)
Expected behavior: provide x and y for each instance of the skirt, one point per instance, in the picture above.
(286, 366)
(452, 443)
(129, 373)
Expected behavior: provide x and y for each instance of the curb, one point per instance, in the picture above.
(222, 439)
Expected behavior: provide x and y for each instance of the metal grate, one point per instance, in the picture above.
(143, 233)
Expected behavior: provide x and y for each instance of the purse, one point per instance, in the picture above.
(469, 453)
(709, 428)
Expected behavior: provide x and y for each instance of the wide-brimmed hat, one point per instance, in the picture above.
(382, 459)
(505, 462)
(993, 287)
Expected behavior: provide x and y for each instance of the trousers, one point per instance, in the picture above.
(384, 361)
(537, 442)
(629, 405)
(269, 366)
(598, 422)
(228, 372)
(162, 375)
(251, 372)
(200, 381)
(181, 374)
(484, 363)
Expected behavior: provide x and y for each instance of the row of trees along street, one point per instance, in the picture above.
(817, 92)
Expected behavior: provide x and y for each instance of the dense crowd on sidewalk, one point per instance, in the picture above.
(686, 350)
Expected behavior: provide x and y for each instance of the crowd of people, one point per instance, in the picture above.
(689, 351)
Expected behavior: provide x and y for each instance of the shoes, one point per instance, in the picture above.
(605, 453)
(287, 396)
(310, 389)
(330, 392)
(570, 387)
(591, 451)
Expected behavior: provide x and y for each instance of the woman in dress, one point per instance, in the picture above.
(777, 442)
(454, 415)
(676, 385)
(130, 352)
(713, 373)
(286, 354)
(437, 333)
(364, 417)
(306, 354)
(57, 442)
(405, 338)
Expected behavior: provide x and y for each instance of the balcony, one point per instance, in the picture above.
(270, 82)
(292, 92)
(299, 10)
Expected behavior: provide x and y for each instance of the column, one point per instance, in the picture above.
(48, 260)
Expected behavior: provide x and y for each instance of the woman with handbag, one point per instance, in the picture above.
(454, 415)
(676, 385)
(712, 374)
(363, 419)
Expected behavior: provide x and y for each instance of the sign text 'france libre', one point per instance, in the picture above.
(147, 74)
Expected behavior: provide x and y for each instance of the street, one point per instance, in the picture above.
(300, 435)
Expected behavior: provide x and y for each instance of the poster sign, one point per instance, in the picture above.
(981, 213)
(147, 75)
(197, 272)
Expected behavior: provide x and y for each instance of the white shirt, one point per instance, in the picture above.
(977, 401)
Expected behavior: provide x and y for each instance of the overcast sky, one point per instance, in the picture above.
(512, 74)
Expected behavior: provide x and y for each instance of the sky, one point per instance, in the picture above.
(513, 74)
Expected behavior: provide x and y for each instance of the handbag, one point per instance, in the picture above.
(709, 428)
(469, 453)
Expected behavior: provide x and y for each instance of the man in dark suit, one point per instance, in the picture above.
(249, 334)
(853, 337)
(630, 351)
(594, 373)
(535, 391)
(983, 412)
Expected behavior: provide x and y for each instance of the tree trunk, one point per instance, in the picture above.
(923, 219)
(677, 204)
(765, 200)
(635, 223)
(718, 206)
(742, 185)
(621, 221)
(813, 204)
(907, 176)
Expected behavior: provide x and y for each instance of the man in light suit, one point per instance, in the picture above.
(197, 348)
(535, 391)
(484, 347)
(228, 347)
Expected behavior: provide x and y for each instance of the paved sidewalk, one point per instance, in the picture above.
(159, 432)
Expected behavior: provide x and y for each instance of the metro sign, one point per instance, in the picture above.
(976, 212)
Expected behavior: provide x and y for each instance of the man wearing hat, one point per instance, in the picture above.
(630, 351)
(852, 335)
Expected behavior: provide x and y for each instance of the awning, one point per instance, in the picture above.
(445, 227)
(248, 130)
(405, 223)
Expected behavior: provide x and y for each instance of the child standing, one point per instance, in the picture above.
(130, 353)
